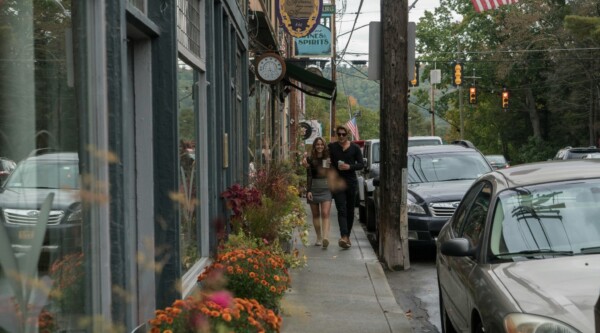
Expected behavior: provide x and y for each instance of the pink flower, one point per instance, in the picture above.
(223, 298)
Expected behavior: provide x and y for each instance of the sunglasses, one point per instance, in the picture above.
(341, 134)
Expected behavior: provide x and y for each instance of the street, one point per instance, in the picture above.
(416, 289)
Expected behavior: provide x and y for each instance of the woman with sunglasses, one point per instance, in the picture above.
(318, 194)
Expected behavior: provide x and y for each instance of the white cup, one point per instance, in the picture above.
(340, 163)
(326, 163)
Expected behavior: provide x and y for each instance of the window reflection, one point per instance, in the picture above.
(42, 258)
(187, 165)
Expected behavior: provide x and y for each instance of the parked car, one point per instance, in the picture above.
(497, 161)
(569, 153)
(424, 141)
(23, 193)
(6, 168)
(365, 178)
(438, 177)
(522, 251)
(592, 155)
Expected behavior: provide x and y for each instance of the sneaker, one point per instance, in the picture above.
(318, 242)
(325, 243)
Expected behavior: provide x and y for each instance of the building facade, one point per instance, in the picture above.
(127, 119)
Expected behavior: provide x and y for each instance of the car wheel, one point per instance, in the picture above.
(446, 323)
(370, 215)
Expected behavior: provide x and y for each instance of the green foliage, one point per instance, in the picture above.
(549, 90)
(535, 150)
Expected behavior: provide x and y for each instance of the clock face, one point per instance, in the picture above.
(270, 68)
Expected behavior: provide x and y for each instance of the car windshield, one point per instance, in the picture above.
(549, 219)
(375, 151)
(496, 159)
(45, 174)
(439, 167)
(423, 142)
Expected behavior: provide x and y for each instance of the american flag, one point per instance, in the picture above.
(351, 124)
(481, 5)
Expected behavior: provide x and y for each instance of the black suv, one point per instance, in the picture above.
(438, 178)
(23, 193)
(570, 153)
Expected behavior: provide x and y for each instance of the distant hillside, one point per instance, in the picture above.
(352, 81)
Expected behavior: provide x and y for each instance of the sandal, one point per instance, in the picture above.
(343, 244)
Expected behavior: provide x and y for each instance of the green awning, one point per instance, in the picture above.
(309, 79)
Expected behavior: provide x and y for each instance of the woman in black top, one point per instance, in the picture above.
(318, 194)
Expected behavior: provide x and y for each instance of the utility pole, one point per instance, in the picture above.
(333, 78)
(393, 128)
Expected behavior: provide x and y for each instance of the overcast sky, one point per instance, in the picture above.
(368, 13)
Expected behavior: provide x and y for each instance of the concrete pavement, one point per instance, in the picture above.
(341, 290)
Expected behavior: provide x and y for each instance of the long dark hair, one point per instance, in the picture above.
(314, 154)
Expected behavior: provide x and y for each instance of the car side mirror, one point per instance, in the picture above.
(457, 247)
(376, 182)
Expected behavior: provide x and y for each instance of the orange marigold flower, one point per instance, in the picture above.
(162, 317)
(214, 313)
(167, 331)
(276, 278)
(273, 289)
(155, 330)
(226, 316)
(264, 283)
(252, 274)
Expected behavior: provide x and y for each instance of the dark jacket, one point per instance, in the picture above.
(352, 156)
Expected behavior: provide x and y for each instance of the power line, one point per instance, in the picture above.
(352, 31)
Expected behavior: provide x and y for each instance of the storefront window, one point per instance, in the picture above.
(187, 165)
(44, 261)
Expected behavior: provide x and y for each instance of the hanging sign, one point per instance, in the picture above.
(299, 17)
(318, 42)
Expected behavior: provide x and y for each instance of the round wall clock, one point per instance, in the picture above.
(270, 68)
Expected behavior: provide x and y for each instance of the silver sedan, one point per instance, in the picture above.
(522, 251)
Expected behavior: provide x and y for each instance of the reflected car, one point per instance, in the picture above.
(7, 166)
(522, 251)
(592, 155)
(23, 193)
(497, 161)
(438, 177)
(570, 153)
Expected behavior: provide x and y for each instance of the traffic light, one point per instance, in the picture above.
(457, 76)
(505, 96)
(472, 95)
(415, 81)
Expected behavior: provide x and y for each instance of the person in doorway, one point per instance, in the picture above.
(346, 158)
(318, 194)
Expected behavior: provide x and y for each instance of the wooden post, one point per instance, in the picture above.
(393, 128)
(332, 136)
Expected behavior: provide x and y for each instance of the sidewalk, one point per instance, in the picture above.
(341, 290)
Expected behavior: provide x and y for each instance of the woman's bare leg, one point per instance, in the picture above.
(325, 210)
(316, 219)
